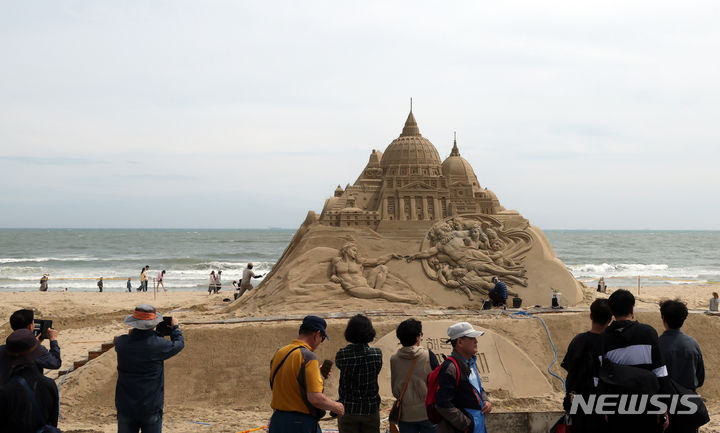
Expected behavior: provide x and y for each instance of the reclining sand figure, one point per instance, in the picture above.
(468, 257)
(462, 279)
(347, 270)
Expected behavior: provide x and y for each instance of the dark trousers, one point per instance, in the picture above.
(350, 423)
(497, 298)
(146, 424)
(417, 427)
(293, 422)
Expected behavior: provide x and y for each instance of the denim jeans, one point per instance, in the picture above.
(417, 427)
(147, 424)
(293, 422)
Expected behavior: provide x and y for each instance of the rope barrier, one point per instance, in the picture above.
(254, 429)
(584, 280)
(526, 315)
(60, 386)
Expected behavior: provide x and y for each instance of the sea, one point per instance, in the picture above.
(76, 258)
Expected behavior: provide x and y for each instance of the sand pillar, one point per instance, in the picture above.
(413, 213)
(384, 209)
(401, 209)
(425, 208)
(438, 209)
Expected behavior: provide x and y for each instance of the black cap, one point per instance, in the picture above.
(315, 323)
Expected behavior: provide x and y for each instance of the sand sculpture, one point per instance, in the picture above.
(437, 238)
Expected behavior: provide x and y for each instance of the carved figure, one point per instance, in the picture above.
(347, 270)
(466, 252)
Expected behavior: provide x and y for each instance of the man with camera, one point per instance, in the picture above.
(140, 390)
(42, 329)
(298, 401)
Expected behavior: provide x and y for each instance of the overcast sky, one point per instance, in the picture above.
(210, 114)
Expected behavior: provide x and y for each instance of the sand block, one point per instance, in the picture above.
(502, 365)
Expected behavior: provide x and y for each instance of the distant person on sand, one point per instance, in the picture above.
(601, 285)
(359, 366)
(714, 302)
(218, 281)
(160, 277)
(211, 286)
(129, 285)
(100, 284)
(499, 293)
(582, 364)
(143, 279)
(245, 283)
(44, 282)
(297, 386)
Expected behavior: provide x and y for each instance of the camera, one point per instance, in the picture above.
(164, 328)
(41, 328)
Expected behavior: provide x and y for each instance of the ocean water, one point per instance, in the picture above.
(75, 258)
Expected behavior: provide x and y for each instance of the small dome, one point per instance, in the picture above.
(410, 149)
(457, 169)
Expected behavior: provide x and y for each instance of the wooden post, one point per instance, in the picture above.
(638, 285)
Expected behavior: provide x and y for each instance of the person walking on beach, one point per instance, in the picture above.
(582, 365)
(44, 282)
(141, 355)
(143, 279)
(359, 366)
(298, 401)
(100, 284)
(409, 369)
(683, 358)
(129, 285)
(245, 283)
(218, 281)
(160, 282)
(211, 286)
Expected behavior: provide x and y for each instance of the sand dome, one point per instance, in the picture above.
(411, 150)
(457, 169)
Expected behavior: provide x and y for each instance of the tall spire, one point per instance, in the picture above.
(455, 151)
(411, 126)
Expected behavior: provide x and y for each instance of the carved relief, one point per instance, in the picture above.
(464, 253)
(347, 269)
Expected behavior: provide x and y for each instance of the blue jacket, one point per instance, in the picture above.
(49, 359)
(501, 289)
(140, 389)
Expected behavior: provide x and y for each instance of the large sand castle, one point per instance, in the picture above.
(413, 229)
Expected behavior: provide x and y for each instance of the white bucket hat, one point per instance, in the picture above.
(462, 329)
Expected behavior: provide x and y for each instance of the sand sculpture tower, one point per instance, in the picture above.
(406, 188)
(415, 229)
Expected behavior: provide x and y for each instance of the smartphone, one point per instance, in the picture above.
(325, 368)
(41, 328)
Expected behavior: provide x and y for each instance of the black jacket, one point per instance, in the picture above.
(16, 410)
(450, 401)
(140, 389)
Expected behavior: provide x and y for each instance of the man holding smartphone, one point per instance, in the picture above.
(49, 359)
(140, 390)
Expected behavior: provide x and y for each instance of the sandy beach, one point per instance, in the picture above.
(218, 383)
